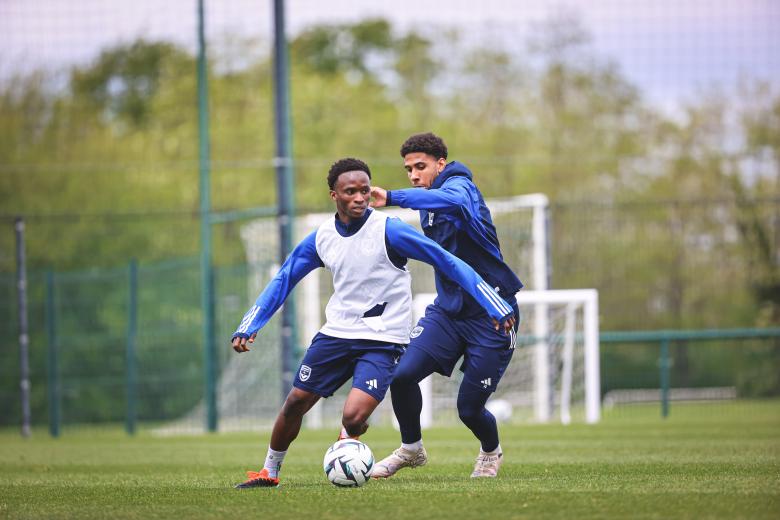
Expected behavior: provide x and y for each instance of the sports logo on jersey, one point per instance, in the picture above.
(416, 332)
(485, 382)
(371, 383)
(430, 218)
(247, 319)
(304, 372)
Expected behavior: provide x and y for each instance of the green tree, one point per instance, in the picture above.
(591, 124)
(761, 121)
(350, 49)
(124, 80)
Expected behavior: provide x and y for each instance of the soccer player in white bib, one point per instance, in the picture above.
(368, 317)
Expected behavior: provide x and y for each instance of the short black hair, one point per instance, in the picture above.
(348, 164)
(428, 142)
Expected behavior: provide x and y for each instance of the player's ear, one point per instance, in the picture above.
(333, 195)
(440, 164)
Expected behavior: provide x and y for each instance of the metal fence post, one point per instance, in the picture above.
(665, 366)
(284, 178)
(52, 373)
(206, 267)
(24, 335)
(131, 368)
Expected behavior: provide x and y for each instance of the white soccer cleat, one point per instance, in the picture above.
(400, 458)
(487, 465)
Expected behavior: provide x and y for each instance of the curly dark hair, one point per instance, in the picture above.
(345, 165)
(428, 142)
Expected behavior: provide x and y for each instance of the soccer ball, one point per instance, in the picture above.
(348, 463)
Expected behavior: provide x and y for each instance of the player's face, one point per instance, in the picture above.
(422, 168)
(351, 193)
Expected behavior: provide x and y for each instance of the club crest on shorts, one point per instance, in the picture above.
(416, 332)
(304, 372)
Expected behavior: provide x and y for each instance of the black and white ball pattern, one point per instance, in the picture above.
(348, 463)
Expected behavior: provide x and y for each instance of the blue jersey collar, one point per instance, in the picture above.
(347, 230)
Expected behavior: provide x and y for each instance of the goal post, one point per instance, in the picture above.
(574, 299)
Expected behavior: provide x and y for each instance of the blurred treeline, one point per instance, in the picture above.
(673, 214)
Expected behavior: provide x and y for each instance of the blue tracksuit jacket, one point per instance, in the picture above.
(453, 214)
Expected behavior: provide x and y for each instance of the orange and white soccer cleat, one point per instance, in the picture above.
(258, 479)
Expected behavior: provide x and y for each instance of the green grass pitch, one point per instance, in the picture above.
(710, 464)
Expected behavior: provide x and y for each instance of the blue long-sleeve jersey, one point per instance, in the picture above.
(402, 241)
(453, 213)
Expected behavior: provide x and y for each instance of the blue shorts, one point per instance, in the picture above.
(486, 352)
(329, 362)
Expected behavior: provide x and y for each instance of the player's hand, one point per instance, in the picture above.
(240, 344)
(507, 326)
(378, 197)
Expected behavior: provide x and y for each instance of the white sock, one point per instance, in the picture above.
(494, 452)
(273, 462)
(415, 446)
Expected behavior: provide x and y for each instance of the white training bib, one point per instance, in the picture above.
(365, 281)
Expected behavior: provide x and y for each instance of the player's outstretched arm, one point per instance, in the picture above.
(456, 194)
(301, 262)
(406, 241)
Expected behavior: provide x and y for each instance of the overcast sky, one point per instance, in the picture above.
(671, 49)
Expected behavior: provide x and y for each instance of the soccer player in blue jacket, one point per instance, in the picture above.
(454, 214)
(368, 318)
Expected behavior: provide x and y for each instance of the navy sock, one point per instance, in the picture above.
(471, 410)
(415, 365)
